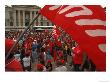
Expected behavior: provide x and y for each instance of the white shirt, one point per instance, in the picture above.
(72, 52)
(61, 68)
(44, 69)
(20, 42)
(26, 61)
(73, 48)
(44, 56)
(17, 56)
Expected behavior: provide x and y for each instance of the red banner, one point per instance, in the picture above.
(87, 26)
(13, 65)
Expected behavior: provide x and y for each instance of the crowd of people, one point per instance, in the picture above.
(43, 51)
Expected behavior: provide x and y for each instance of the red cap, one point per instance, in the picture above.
(49, 61)
(63, 61)
(39, 67)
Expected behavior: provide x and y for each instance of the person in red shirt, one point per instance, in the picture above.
(39, 67)
(60, 54)
(55, 55)
(78, 58)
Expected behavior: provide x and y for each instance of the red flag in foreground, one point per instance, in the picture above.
(13, 65)
(8, 44)
(86, 25)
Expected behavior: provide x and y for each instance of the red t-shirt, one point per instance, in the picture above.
(78, 56)
(51, 44)
(55, 55)
(59, 43)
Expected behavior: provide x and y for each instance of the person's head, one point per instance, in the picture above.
(18, 52)
(49, 62)
(40, 67)
(27, 54)
(59, 63)
(63, 62)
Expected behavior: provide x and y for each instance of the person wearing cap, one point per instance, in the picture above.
(40, 67)
(17, 56)
(60, 54)
(65, 52)
(26, 62)
(49, 65)
(79, 58)
(63, 62)
(60, 66)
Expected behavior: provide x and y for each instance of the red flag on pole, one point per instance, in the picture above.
(13, 65)
(87, 27)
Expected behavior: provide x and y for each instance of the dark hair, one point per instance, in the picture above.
(93, 67)
(59, 63)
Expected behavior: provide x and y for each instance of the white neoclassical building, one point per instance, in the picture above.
(19, 16)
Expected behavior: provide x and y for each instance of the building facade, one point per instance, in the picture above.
(19, 16)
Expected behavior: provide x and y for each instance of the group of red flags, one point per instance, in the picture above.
(86, 24)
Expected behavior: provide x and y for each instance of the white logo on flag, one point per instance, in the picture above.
(97, 32)
(90, 22)
(102, 47)
(54, 7)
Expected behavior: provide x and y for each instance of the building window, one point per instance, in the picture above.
(27, 22)
(11, 23)
(41, 18)
(41, 23)
(47, 23)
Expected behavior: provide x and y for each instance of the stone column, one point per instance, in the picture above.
(39, 20)
(19, 22)
(30, 16)
(23, 18)
(14, 19)
(34, 17)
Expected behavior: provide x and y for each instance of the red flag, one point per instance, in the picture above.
(8, 44)
(86, 26)
(13, 65)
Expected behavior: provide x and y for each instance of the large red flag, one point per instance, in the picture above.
(86, 25)
(8, 45)
(13, 65)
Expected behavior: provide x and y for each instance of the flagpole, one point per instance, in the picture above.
(21, 36)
